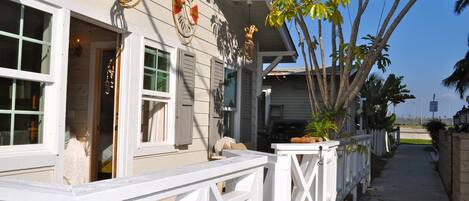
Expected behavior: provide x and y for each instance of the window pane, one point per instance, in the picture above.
(163, 61)
(5, 123)
(149, 79)
(228, 124)
(28, 129)
(150, 60)
(5, 93)
(230, 88)
(37, 24)
(153, 121)
(156, 72)
(10, 14)
(29, 95)
(8, 52)
(35, 57)
(163, 82)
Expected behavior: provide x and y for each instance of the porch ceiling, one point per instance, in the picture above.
(270, 38)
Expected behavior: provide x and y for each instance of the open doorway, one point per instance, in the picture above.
(92, 100)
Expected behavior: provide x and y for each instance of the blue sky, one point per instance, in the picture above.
(424, 49)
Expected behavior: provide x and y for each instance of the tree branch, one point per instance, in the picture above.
(348, 63)
(388, 19)
(372, 55)
(312, 54)
(334, 62)
(311, 89)
(323, 64)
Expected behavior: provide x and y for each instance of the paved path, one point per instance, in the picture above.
(408, 176)
(414, 133)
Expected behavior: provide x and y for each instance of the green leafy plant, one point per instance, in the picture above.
(322, 125)
(353, 146)
(433, 127)
(379, 94)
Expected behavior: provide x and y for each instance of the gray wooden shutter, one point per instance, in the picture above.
(216, 102)
(246, 109)
(185, 97)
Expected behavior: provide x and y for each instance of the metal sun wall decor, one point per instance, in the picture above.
(249, 45)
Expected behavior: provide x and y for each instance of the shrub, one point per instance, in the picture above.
(433, 127)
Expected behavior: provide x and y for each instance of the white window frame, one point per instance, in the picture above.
(44, 154)
(152, 148)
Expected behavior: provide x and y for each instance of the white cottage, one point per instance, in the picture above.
(140, 89)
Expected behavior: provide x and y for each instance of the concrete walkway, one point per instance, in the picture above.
(408, 176)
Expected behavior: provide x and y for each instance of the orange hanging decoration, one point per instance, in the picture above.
(249, 45)
(128, 3)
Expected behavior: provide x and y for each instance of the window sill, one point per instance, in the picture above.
(26, 159)
(154, 149)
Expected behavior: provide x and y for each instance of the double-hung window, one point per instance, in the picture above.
(25, 57)
(229, 102)
(155, 97)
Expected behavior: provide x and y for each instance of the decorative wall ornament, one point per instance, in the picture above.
(186, 16)
(249, 46)
(128, 3)
(110, 77)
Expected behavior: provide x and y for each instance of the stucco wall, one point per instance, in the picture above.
(461, 167)
(460, 164)
(444, 163)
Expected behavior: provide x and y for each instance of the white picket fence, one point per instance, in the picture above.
(381, 143)
(323, 171)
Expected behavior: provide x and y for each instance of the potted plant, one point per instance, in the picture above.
(320, 129)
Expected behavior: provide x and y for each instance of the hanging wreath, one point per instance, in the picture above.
(128, 3)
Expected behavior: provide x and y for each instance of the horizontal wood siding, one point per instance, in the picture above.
(219, 34)
(293, 95)
(43, 174)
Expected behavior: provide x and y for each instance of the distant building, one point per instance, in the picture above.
(286, 97)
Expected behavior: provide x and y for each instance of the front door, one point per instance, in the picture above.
(106, 114)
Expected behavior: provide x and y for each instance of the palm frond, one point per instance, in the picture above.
(460, 5)
(459, 79)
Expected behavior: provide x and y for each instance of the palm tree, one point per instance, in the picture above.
(379, 94)
(460, 5)
(459, 79)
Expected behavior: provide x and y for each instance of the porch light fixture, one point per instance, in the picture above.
(128, 3)
(77, 49)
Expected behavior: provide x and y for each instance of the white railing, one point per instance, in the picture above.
(325, 171)
(353, 166)
(277, 174)
(241, 176)
(313, 169)
(380, 142)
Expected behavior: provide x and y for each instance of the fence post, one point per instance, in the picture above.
(327, 175)
(386, 141)
(279, 183)
(398, 140)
